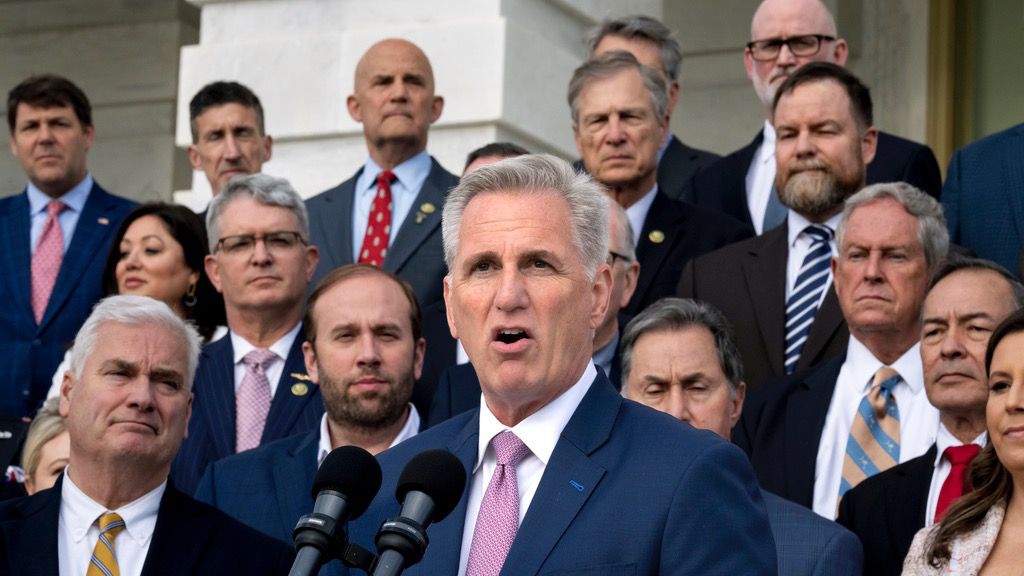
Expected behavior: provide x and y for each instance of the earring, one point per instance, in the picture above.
(190, 295)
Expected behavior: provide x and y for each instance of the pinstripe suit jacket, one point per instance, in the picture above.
(32, 352)
(211, 431)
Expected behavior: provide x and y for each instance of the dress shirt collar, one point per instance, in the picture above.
(410, 429)
(766, 152)
(74, 199)
(606, 354)
(863, 365)
(541, 430)
(79, 512)
(944, 439)
(410, 174)
(637, 213)
(240, 346)
(796, 224)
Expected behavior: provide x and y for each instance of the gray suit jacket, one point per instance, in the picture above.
(415, 255)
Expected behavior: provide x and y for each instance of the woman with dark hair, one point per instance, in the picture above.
(983, 531)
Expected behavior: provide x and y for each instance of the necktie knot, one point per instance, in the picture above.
(386, 178)
(818, 233)
(54, 208)
(110, 523)
(880, 394)
(961, 455)
(258, 359)
(509, 449)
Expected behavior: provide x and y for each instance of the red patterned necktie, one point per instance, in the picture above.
(959, 457)
(378, 226)
(47, 258)
(498, 519)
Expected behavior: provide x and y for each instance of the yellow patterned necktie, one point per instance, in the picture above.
(104, 560)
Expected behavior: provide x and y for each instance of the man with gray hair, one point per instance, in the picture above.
(252, 385)
(554, 454)
(127, 398)
(678, 356)
(817, 434)
(655, 46)
(619, 119)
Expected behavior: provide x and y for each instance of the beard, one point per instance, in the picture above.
(370, 411)
(812, 189)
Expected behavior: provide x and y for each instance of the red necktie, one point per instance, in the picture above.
(378, 226)
(959, 457)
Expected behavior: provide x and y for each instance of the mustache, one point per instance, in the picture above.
(806, 164)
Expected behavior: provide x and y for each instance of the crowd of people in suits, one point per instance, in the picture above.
(842, 322)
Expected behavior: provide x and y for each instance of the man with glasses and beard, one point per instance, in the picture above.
(364, 349)
(778, 286)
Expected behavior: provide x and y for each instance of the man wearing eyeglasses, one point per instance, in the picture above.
(785, 35)
(251, 386)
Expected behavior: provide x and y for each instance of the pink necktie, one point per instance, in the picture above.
(252, 401)
(498, 520)
(47, 259)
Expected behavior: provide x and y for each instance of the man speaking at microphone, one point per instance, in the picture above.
(564, 474)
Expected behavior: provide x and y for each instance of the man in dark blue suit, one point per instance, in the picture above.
(50, 281)
(595, 483)
(785, 35)
(394, 100)
(251, 386)
(127, 397)
(983, 197)
(364, 351)
(679, 357)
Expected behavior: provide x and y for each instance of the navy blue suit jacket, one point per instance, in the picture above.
(722, 186)
(211, 431)
(190, 538)
(984, 197)
(627, 490)
(678, 165)
(32, 352)
(809, 545)
(415, 255)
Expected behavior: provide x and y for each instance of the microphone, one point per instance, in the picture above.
(429, 488)
(345, 484)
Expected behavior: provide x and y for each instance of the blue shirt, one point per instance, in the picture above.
(410, 176)
(74, 199)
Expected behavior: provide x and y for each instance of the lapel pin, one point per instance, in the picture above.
(427, 208)
(576, 485)
(656, 236)
(420, 217)
(299, 389)
(301, 376)
(103, 221)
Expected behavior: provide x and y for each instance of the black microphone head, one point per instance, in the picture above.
(352, 471)
(438, 474)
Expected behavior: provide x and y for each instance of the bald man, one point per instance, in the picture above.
(389, 213)
(785, 35)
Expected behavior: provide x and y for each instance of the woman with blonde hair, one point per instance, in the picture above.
(46, 448)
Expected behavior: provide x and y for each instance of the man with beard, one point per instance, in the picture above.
(364, 349)
(777, 286)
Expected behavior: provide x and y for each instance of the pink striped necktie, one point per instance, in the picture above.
(498, 520)
(252, 401)
(47, 258)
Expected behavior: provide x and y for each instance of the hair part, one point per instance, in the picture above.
(132, 311)
(672, 314)
(931, 223)
(859, 95)
(218, 94)
(47, 425)
(263, 188)
(48, 91)
(608, 65)
(535, 174)
(348, 272)
(644, 28)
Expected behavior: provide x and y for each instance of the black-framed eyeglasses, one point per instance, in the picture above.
(768, 50)
(275, 242)
(613, 256)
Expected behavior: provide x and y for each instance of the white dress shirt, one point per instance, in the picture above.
(410, 429)
(240, 346)
(761, 178)
(942, 467)
(78, 531)
(409, 178)
(800, 245)
(637, 213)
(919, 420)
(540, 432)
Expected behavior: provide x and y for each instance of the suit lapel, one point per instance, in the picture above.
(218, 380)
(19, 257)
(178, 539)
(31, 541)
(673, 166)
(569, 480)
(805, 420)
(418, 223)
(287, 405)
(764, 269)
(906, 501)
(335, 223)
(827, 321)
(663, 216)
(86, 249)
(290, 478)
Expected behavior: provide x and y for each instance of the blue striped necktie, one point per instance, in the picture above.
(802, 305)
(874, 444)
